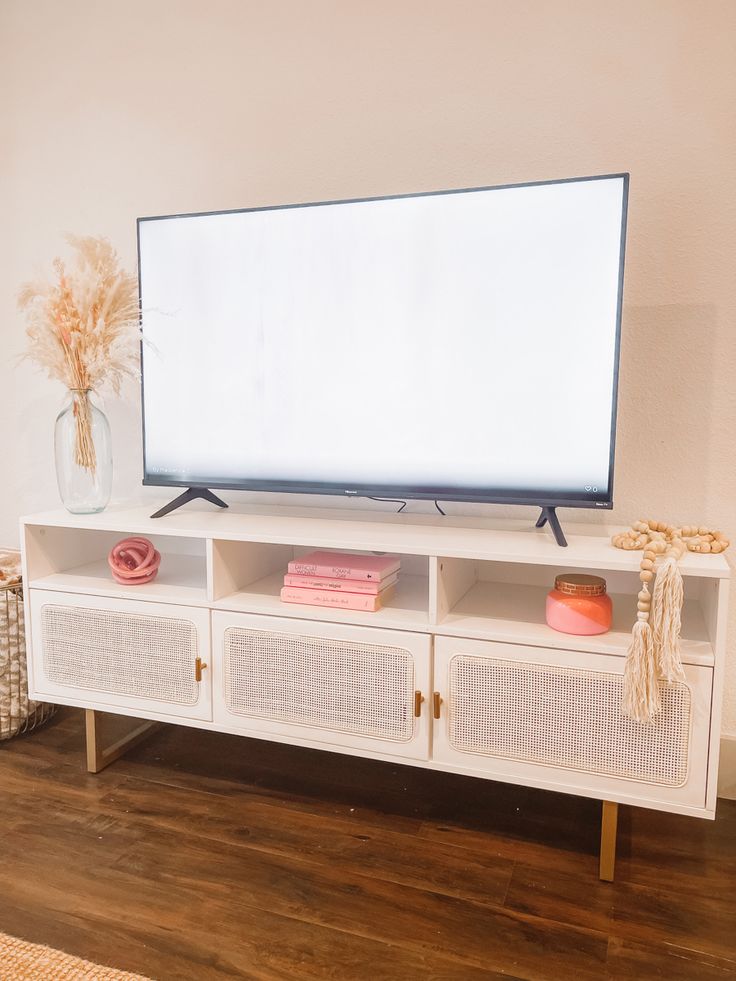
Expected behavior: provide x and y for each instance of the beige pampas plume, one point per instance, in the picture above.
(83, 326)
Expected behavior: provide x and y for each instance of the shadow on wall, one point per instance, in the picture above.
(33, 445)
(666, 412)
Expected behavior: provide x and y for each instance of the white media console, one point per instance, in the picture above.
(459, 672)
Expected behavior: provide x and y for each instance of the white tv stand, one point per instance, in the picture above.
(459, 672)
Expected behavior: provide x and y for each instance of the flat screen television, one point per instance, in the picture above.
(455, 345)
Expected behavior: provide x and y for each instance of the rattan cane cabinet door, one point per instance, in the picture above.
(146, 657)
(552, 718)
(347, 686)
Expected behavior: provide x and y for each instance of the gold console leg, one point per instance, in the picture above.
(609, 823)
(122, 734)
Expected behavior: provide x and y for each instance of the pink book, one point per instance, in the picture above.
(342, 585)
(336, 600)
(339, 565)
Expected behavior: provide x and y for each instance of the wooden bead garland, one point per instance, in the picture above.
(654, 653)
(656, 536)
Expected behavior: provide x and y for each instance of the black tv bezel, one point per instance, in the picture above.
(485, 495)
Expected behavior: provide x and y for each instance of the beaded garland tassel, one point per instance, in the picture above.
(654, 653)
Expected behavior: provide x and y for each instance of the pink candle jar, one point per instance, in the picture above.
(579, 604)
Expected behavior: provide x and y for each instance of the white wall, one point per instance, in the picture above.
(110, 111)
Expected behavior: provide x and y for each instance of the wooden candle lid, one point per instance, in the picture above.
(580, 584)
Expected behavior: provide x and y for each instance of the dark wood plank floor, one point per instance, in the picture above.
(206, 856)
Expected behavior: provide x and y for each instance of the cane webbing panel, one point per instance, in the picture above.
(334, 684)
(121, 653)
(567, 717)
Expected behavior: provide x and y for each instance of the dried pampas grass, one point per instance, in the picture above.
(82, 327)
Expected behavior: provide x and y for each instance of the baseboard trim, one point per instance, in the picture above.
(727, 768)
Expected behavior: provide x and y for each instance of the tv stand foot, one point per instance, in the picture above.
(609, 822)
(549, 514)
(190, 494)
(104, 748)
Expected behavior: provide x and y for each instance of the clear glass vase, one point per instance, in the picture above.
(83, 451)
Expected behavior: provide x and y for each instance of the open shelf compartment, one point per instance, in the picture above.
(506, 602)
(247, 577)
(74, 560)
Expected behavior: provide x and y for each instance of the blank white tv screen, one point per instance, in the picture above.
(460, 345)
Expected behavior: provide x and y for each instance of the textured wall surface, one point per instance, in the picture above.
(111, 111)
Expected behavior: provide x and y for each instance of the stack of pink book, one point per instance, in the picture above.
(344, 582)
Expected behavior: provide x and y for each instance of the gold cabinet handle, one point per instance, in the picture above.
(199, 667)
(418, 699)
(436, 702)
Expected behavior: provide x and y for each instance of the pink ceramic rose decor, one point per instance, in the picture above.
(134, 561)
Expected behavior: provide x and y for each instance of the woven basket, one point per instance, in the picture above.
(17, 712)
